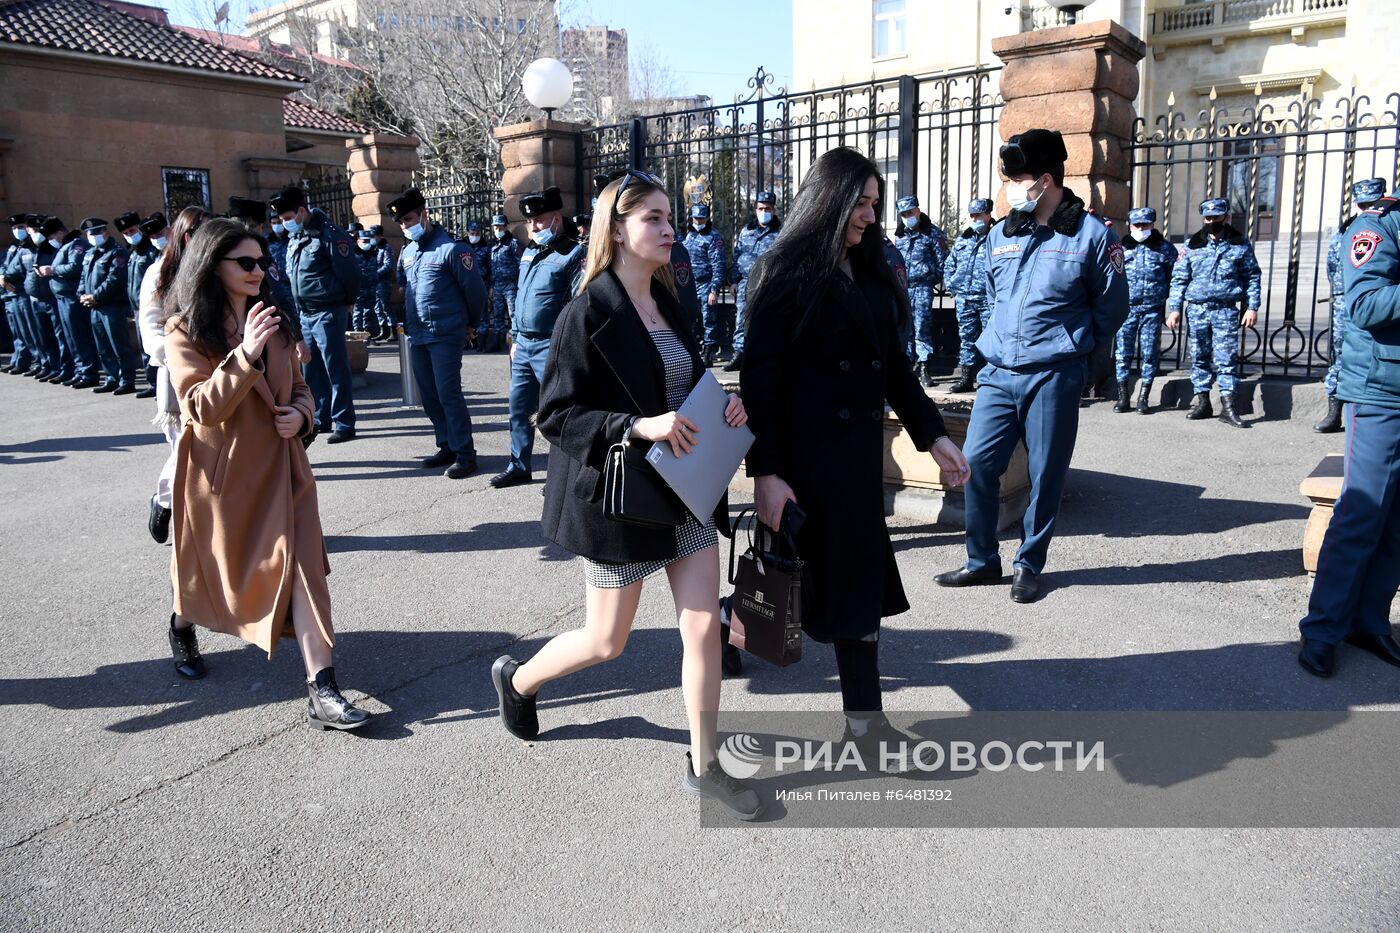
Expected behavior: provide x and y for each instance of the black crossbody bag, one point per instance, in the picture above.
(634, 494)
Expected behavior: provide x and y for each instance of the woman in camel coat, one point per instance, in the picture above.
(249, 559)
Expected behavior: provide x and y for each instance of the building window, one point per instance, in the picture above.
(185, 187)
(889, 28)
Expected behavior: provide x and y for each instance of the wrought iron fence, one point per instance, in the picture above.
(1287, 170)
(457, 196)
(331, 193)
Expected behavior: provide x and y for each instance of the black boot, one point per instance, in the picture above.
(326, 708)
(1331, 422)
(1227, 412)
(1143, 406)
(1124, 403)
(185, 649)
(964, 378)
(1200, 407)
(926, 374)
(736, 364)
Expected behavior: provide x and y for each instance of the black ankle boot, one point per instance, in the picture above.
(1143, 405)
(964, 379)
(185, 649)
(1200, 407)
(926, 374)
(1331, 422)
(1228, 413)
(1124, 403)
(326, 708)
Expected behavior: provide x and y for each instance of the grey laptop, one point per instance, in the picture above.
(701, 476)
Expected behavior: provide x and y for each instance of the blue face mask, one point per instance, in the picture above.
(414, 232)
(911, 222)
(979, 226)
(1020, 198)
(97, 239)
(134, 238)
(160, 242)
(765, 217)
(292, 227)
(278, 227)
(542, 237)
(19, 233)
(36, 236)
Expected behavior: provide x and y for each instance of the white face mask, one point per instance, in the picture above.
(1140, 234)
(366, 245)
(979, 226)
(414, 232)
(1018, 195)
(473, 238)
(499, 231)
(160, 242)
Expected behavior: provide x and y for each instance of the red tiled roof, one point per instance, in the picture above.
(296, 113)
(256, 47)
(90, 27)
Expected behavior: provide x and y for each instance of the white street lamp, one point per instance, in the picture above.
(1071, 9)
(547, 84)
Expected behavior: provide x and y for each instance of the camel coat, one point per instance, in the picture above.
(244, 500)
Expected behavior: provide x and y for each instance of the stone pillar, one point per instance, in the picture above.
(266, 177)
(1081, 80)
(538, 155)
(381, 166)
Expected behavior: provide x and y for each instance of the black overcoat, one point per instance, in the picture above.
(816, 400)
(603, 370)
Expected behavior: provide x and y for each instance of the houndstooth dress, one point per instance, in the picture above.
(692, 536)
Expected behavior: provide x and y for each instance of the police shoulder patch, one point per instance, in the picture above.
(343, 246)
(1115, 256)
(1363, 247)
(682, 273)
(468, 259)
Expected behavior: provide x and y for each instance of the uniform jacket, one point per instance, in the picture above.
(505, 262)
(321, 266)
(754, 240)
(387, 270)
(1218, 272)
(816, 399)
(1336, 255)
(685, 278)
(245, 513)
(140, 258)
(1149, 265)
(896, 260)
(1370, 370)
(965, 269)
(104, 275)
(482, 251)
(548, 278)
(68, 267)
(1056, 292)
(36, 285)
(19, 261)
(706, 256)
(603, 370)
(924, 251)
(443, 294)
(368, 263)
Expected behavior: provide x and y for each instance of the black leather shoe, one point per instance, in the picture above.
(511, 477)
(517, 710)
(736, 364)
(987, 576)
(340, 437)
(148, 392)
(124, 390)
(1331, 422)
(464, 467)
(105, 387)
(159, 522)
(1382, 646)
(85, 384)
(185, 650)
(1025, 585)
(1317, 657)
(926, 374)
(439, 460)
(326, 708)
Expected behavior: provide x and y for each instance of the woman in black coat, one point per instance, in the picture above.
(623, 358)
(822, 356)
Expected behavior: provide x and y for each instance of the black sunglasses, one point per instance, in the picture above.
(627, 177)
(248, 263)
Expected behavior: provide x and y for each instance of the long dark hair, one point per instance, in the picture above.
(806, 257)
(184, 227)
(200, 300)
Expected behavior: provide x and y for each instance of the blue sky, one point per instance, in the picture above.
(710, 46)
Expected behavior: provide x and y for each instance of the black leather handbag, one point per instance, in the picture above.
(635, 494)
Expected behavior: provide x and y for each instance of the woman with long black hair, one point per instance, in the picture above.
(822, 356)
(249, 559)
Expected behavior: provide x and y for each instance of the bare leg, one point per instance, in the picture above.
(607, 623)
(695, 588)
(315, 653)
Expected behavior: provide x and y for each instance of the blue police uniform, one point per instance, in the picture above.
(1149, 265)
(684, 272)
(367, 259)
(1363, 193)
(444, 297)
(754, 240)
(965, 278)
(45, 306)
(548, 279)
(77, 320)
(385, 278)
(142, 255)
(325, 281)
(707, 263)
(482, 249)
(1358, 566)
(104, 277)
(19, 261)
(1057, 295)
(1213, 275)
(925, 248)
(22, 354)
(505, 261)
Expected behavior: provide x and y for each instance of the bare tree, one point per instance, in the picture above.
(653, 82)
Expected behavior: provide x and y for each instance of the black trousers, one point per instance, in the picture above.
(858, 665)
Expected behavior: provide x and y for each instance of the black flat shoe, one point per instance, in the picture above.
(1025, 585)
(1382, 646)
(124, 390)
(464, 467)
(511, 477)
(517, 710)
(1317, 657)
(105, 387)
(987, 576)
(159, 522)
(85, 384)
(340, 437)
(439, 460)
(326, 708)
(185, 649)
(147, 392)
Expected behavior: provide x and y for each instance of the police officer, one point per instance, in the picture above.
(549, 274)
(66, 276)
(22, 351)
(325, 282)
(444, 301)
(42, 324)
(925, 247)
(102, 290)
(582, 223)
(481, 247)
(707, 262)
(19, 259)
(1358, 567)
(754, 240)
(505, 261)
(1058, 292)
(1149, 259)
(150, 238)
(386, 276)
(965, 277)
(38, 284)
(367, 259)
(1363, 195)
(1216, 271)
